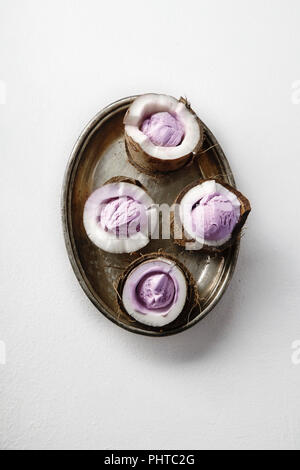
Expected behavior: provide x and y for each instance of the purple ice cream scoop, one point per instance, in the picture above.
(156, 291)
(214, 217)
(163, 129)
(121, 215)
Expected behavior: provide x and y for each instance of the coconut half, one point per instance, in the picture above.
(156, 289)
(120, 217)
(148, 156)
(209, 215)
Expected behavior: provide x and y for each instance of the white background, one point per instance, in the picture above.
(72, 379)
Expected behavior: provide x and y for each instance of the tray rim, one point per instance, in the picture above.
(70, 245)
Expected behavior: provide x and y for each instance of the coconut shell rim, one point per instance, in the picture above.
(192, 300)
(236, 234)
(126, 179)
(187, 158)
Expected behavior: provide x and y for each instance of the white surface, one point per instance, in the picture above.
(72, 379)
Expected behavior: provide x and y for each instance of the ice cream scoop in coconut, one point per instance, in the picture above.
(209, 214)
(156, 289)
(162, 133)
(120, 217)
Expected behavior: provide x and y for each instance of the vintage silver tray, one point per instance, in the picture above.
(100, 154)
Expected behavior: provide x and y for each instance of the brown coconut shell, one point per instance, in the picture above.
(192, 299)
(152, 165)
(236, 234)
(125, 179)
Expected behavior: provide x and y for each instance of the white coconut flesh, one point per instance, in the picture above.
(145, 106)
(155, 292)
(194, 196)
(120, 218)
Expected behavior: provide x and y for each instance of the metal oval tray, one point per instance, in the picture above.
(100, 154)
